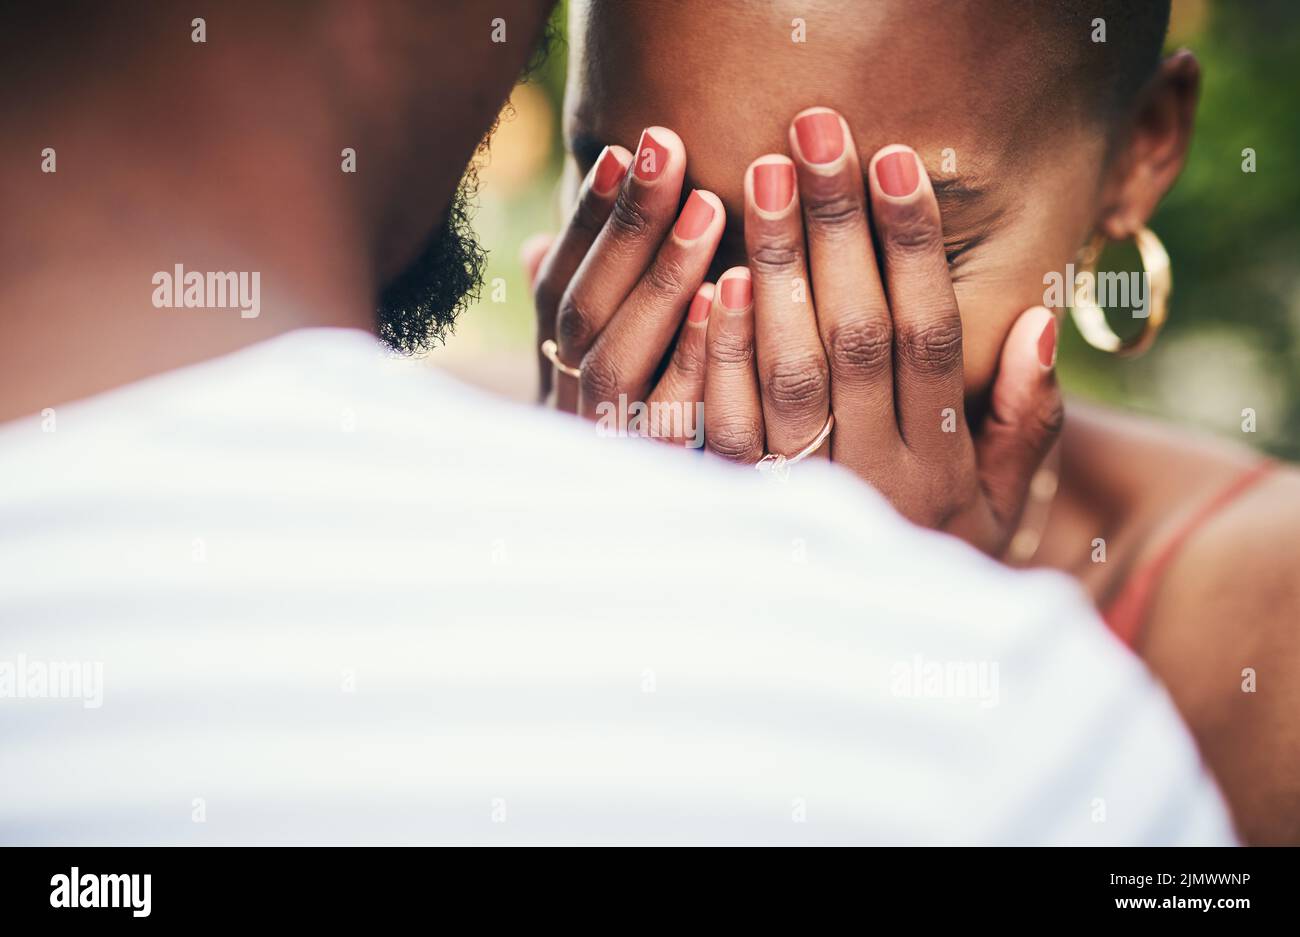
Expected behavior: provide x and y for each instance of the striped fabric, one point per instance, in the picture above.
(337, 599)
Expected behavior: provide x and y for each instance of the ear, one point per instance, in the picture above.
(1152, 152)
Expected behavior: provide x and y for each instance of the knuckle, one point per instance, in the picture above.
(575, 326)
(931, 348)
(834, 212)
(600, 379)
(797, 385)
(737, 440)
(860, 347)
(666, 277)
(918, 233)
(1050, 419)
(628, 219)
(728, 350)
(775, 254)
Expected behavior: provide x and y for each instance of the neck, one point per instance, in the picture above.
(149, 178)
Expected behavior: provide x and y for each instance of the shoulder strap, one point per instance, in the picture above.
(1126, 613)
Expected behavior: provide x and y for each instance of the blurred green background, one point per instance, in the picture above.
(1233, 338)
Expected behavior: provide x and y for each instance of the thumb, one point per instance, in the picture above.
(1025, 413)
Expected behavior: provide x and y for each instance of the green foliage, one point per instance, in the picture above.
(1233, 236)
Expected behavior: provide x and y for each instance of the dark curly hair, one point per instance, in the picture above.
(419, 308)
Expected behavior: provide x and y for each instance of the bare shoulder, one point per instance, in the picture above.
(1238, 574)
(1224, 635)
(1223, 631)
(1133, 481)
(1145, 462)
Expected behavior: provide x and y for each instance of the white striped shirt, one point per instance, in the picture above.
(336, 600)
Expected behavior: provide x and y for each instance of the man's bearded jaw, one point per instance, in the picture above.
(418, 309)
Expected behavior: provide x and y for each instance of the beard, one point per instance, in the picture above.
(418, 309)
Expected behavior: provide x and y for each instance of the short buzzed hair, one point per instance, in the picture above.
(1112, 72)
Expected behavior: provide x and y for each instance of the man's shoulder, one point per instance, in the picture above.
(323, 421)
(816, 531)
(295, 510)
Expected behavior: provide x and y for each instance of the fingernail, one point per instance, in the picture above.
(699, 311)
(821, 139)
(695, 218)
(897, 173)
(1047, 344)
(737, 293)
(651, 157)
(773, 186)
(608, 172)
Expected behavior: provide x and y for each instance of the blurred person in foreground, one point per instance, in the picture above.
(258, 586)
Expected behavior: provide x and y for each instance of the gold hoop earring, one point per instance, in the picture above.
(1090, 319)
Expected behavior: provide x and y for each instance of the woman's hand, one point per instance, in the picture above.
(613, 288)
(812, 326)
(880, 348)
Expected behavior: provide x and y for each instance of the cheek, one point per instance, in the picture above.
(1005, 283)
(986, 318)
(988, 310)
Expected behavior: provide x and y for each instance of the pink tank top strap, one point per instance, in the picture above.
(1126, 613)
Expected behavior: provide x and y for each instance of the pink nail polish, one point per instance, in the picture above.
(821, 138)
(773, 185)
(1047, 344)
(699, 307)
(737, 292)
(651, 158)
(695, 218)
(897, 173)
(608, 173)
